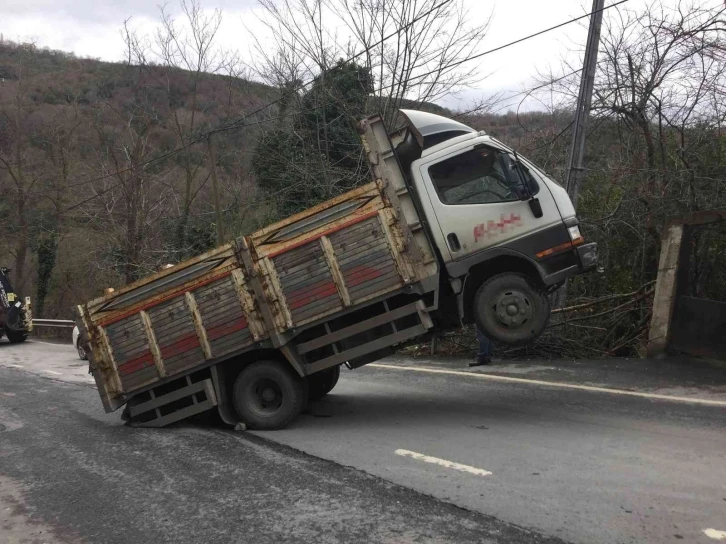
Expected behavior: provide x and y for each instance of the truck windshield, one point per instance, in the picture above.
(480, 176)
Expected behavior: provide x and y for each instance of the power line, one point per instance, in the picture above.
(499, 48)
(235, 124)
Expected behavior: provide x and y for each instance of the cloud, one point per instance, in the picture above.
(100, 12)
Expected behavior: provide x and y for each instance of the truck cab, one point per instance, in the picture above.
(505, 233)
(15, 321)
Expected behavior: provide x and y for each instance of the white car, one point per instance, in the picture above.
(77, 344)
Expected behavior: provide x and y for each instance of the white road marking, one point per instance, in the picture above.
(716, 535)
(553, 384)
(52, 372)
(443, 462)
(16, 366)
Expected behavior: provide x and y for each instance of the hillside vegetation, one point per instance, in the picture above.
(105, 171)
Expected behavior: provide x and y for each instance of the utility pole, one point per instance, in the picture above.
(576, 159)
(582, 113)
(215, 187)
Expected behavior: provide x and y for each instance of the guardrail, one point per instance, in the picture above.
(56, 323)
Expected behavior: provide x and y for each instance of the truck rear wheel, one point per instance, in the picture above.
(321, 383)
(268, 395)
(510, 309)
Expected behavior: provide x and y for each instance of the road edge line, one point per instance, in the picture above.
(593, 388)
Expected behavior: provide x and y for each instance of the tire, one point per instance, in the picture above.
(268, 395)
(16, 337)
(509, 308)
(82, 355)
(321, 383)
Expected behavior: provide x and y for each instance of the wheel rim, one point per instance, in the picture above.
(264, 396)
(513, 309)
(81, 352)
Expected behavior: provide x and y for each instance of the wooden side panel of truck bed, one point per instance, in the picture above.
(171, 322)
(256, 291)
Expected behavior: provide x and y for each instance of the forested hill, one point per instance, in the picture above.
(104, 168)
(105, 172)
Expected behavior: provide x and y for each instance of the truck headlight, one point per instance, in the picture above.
(575, 235)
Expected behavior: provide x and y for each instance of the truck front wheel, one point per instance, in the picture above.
(321, 383)
(268, 395)
(510, 309)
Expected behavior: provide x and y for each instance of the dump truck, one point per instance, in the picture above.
(16, 321)
(455, 227)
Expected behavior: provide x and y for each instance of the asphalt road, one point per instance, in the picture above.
(71, 474)
(475, 456)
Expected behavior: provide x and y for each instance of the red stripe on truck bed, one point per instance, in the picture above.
(180, 345)
(306, 295)
(218, 331)
(137, 363)
(360, 274)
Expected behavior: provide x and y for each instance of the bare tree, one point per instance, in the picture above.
(415, 50)
(21, 167)
(178, 58)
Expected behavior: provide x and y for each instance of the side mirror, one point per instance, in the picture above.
(536, 207)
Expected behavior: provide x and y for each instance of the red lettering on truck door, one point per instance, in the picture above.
(491, 228)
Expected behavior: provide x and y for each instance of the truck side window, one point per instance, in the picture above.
(477, 176)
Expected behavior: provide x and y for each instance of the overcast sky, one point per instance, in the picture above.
(91, 28)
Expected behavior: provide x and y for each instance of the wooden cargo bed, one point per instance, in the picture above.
(260, 291)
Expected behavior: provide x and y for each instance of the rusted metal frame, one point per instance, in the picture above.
(406, 273)
(357, 328)
(380, 173)
(106, 347)
(199, 325)
(153, 346)
(95, 358)
(335, 270)
(275, 289)
(369, 347)
(245, 258)
(257, 327)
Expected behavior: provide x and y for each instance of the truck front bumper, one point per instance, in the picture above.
(578, 260)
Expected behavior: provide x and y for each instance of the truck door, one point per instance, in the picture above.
(475, 198)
